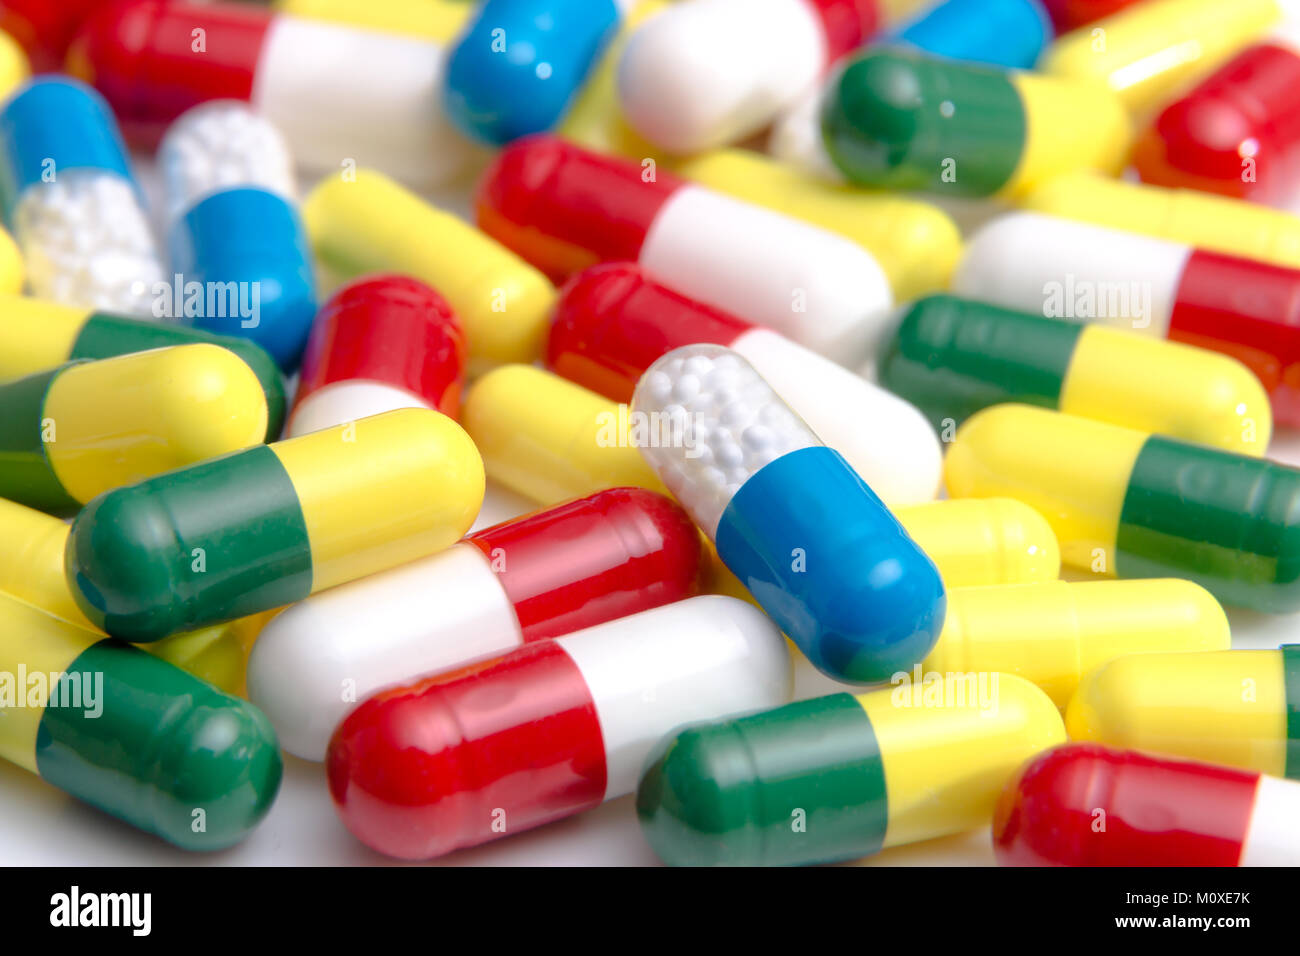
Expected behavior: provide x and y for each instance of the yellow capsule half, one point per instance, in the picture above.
(12, 271)
(438, 20)
(984, 541)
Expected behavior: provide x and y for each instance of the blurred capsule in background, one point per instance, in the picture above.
(576, 565)
(14, 68)
(371, 224)
(379, 343)
(270, 525)
(133, 735)
(36, 335)
(548, 730)
(842, 777)
(1157, 811)
(44, 29)
(233, 230)
(83, 428)
(1129, 504)
(954, 356)
(613, 321)
(343, 96)
(564, 208)
(1240, 708)
(705, 73)
(437, 20)
(791, 519)
(1009, 33)
(71, 201)
(1067, 15)
(1161, 288)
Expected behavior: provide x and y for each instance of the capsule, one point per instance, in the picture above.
(1067, 15)
(1128, 504)
(232, 224)
(1053, 633)
(71, 202)
(1010, 33)
(266, 527)
(14, 68)
(12, 270)
(1157, 811)
(44, 30)
(548, 730)
(579, 564)
(842, 777)
(790, 517)
(379, 343)
(1237, 132)
(438, 20)
(518, 64)
(895, 120)
(131, 734)
(337, 92)
(367, 225)
(916, 244)
(954, 356)
(1244, 308)
(86, 427)
(563, 209)
(1151, 51)
(1238, 708)
(982, 541)
(710, 72)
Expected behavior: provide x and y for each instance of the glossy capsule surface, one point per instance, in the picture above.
(1129, 504)
(87, 427)
(954, 356)
(791, 519)
(1240, 708)
(842, 777)
(267, 526)
(131, 734)
(1010, 33)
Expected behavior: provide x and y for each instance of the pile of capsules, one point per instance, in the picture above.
(717, 321)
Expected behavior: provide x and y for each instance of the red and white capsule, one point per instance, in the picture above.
(548, 730)
(564, 208)
(1088, 805)
(379, 343)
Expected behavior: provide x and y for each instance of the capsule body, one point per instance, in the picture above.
(711, 72)
(574, 566)
(563, 208)
(549, 730)
(36, 335)
(438, 20)
(517, 66)
(613, 321)
(43, 29)
(379, 343)
(1066, 15)
(14, 66)
(71, 201)
(267, 526)
(367, 226)
(233, 224)
(1158, 812)
(1010, 33)
(1127, 504)
(954, 356)
(791, 519)
(982, 541)
(889, 767)
(131, 734)
(382, 89)
(1239, 708)
(1053, 633)
(86, 427)
(894, 120)
(1064, 269)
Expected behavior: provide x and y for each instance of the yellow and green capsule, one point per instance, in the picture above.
(131, 734)
(842, 777)
(952, 357)
(267, 526)
(74, 431)
(1239, 708)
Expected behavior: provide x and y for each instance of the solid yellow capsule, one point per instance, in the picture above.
(83, 428)
(1053, 633)
(1148, 52)
(438, 20)
(368, 223)
(983, 541)
(1233, 227)
(14, 68)
(1240, 708)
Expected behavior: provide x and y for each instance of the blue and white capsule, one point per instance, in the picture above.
(1010, 33)
(791, 519)
(518, 65)
(234, 232)
(71, 202)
